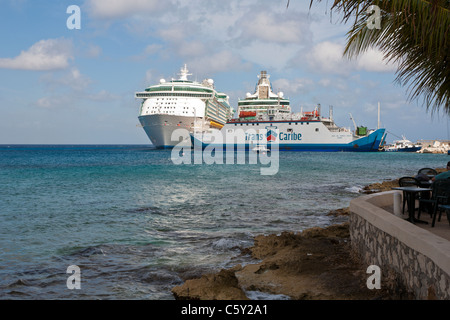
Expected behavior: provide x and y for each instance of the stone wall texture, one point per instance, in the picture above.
(403, 269)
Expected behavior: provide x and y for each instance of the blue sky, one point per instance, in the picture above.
(61, 86)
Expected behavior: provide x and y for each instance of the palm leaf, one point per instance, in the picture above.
(415, 34)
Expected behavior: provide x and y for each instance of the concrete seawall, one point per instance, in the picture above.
(411, 259)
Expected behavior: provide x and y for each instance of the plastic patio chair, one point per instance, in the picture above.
(440, 198)
(428, 171)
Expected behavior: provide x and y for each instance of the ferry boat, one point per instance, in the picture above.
(180, 104)
(403, 145)
(265, 118)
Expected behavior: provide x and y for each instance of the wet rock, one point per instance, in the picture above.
(339, 212)
(314, 264)
(380, 187)
(220, 286)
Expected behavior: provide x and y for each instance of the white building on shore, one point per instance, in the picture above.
(434, 146)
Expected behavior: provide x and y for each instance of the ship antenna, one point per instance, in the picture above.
(184, 73)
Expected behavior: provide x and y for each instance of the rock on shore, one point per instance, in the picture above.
(314, 264)
(380, 187)
(219, 286)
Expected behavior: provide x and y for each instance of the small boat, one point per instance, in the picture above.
(260, 149)
(403, 145)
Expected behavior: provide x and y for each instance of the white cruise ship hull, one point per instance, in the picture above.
(288, 135)
(170, 109)
(160, 129)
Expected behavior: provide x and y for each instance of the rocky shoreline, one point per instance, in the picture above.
(315, 264)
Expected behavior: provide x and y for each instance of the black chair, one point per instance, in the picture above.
(428, 171)
(446, 208)
(407, 182)
(440, 197)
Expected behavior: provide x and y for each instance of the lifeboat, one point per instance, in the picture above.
(314, 113)
(246, 114)
(215, 124)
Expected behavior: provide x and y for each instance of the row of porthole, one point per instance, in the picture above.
(165, 112)
(317, 129)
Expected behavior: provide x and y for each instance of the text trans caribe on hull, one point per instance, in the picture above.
(266, 118)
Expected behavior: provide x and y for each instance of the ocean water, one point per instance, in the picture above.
(136, 224)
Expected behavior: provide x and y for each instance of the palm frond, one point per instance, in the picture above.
(415, 34)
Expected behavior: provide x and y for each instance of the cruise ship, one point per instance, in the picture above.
(181, 104)
(265, 118)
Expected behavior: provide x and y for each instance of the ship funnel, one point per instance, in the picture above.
(263, 78)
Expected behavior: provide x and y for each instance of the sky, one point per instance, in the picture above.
(61, 85)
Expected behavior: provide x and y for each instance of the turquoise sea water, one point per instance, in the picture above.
(136, 224)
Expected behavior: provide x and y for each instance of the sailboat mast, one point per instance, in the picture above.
(378, 127)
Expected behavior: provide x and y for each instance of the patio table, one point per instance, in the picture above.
(411, 200)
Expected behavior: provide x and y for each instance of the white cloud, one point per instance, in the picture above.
(110, 9)
(221, 61)
(74, 100)
(48, 54)
(102, 96)
(284, 28)
(274, 56)
(66, 89)
(327, 57)
(175, 33)
(372, 60)
(93, 51)
(153, 48)
(149, 50)
(56, 101)
(266, 34)
(294, 86)
(192, 48)
(325, 82)
(75, 78)
(148, 77)
(71, 78)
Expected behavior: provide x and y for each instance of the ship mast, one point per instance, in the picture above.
(378, 127)
(354, 123)
(184, 73)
